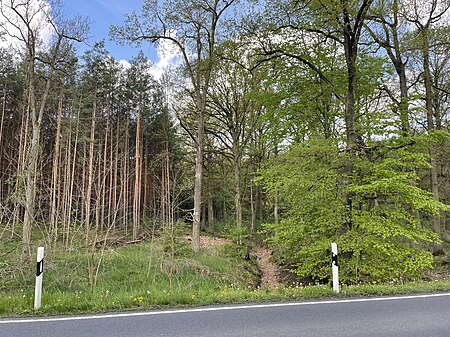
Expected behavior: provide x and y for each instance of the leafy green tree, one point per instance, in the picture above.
(362, 191)
(386, 239)
(233, 115)
(425, 16)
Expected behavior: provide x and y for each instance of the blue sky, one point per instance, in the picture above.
(102, 14)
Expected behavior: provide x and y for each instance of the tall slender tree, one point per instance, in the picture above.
(192, 26)
(25, 23)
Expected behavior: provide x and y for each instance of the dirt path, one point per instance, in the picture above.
(209, 241)
(269, 270)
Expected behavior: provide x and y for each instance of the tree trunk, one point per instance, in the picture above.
(276, 215)
(72, 180)
(116, 175)
(404, 105)
(430, 124)
(83, 180)
(144, 173)
(252, 209)
(3, 113)
(55, 173)
(400, 67)
(30, 191)
(98, 197)
(237, 180)
(198, 180)
(125, 176)
(31, 169)
(90, 178)
(210, 206)
(111, 180)
(2, 155)
(351, 51)
(162, 199)
(64, 200)
(237, 197)
(33, 153)
(21, 162)
(137, 179)
(104, 178)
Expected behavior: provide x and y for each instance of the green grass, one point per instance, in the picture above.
(148, 275)
(144, 275)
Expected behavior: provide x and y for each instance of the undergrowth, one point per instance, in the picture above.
(158, 273)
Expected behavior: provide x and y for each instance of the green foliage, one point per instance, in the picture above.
(241, 238)
(307, 179)
(172, 239)
(236, 234)
(381, 230)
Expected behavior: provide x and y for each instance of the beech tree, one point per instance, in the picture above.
(340, 22)
(424, 16)
(351, 199)
(232, 108)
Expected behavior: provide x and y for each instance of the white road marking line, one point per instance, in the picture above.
(206, 309)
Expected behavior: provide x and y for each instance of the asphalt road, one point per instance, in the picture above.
(411, 316)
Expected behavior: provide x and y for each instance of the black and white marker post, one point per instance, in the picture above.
(335, 267)
(39, 271)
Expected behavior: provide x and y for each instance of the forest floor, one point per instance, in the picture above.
(269, 271)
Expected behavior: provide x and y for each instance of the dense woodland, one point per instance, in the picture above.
(300, 123)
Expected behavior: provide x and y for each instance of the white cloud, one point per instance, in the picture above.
(125, 64)
(169, 57)
(36, 11)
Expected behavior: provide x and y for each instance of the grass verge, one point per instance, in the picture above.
(101, 301)
(152, 275)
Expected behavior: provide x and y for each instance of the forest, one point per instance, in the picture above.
(292, 123)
